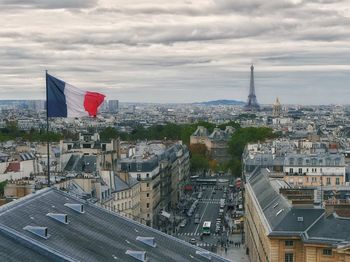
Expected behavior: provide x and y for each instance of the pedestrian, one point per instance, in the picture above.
(226, 249)
(239, 244)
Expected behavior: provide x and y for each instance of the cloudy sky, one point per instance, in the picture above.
(179, 50)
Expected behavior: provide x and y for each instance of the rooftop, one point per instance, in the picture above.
(94, 235)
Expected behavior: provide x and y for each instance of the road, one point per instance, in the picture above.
(208, 210)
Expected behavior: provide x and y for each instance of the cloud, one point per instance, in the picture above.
(180, 51)
(48, 4)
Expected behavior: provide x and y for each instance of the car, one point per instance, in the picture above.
(214, 192)
(193, 241)
(196, 220)
(183, 223)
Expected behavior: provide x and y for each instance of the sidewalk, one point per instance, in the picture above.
(235, 254)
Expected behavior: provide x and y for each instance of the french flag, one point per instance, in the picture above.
(65, 100)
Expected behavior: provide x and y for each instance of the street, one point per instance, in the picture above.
(208, 210)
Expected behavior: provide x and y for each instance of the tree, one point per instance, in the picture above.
(199, 149)
(198, 163)
(241, 138)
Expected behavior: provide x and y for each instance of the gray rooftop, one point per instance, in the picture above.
(120, 185)
(281, 216)
(95, 235)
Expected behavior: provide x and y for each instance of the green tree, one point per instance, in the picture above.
(240, 139)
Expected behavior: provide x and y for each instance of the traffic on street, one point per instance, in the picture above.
(211, 214)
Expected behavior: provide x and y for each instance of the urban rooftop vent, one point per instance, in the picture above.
(63, 218)
(275, 205)
(147, 240)
(76, 207)
(300, 219)
(39, 231)
(139, 255)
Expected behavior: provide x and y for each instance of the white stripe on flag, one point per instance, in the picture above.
(75, 101)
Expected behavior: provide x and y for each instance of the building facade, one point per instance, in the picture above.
(161, 175)
(277, 230)
(216, 142)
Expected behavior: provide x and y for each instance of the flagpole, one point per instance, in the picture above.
(47, 134)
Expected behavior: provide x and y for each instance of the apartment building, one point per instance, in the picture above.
(161, 168)
(315, 169)
(278, 230)
(216, 142)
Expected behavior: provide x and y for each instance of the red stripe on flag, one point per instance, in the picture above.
(92, 101)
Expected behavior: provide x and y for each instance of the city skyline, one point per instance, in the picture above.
(186, 51)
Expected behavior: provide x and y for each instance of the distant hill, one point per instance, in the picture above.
(222, 102)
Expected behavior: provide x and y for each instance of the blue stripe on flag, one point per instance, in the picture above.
(56, 101)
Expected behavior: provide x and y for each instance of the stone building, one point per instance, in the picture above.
(315, 169)
(277, 108)
(277, 229)
(161, 170)
(216, 142)
(126, 196)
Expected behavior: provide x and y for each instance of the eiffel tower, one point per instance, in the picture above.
(252, 104)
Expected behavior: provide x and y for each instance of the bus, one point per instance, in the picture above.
(206, 228)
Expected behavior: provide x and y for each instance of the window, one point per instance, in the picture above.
(288, 257)
(291, 170)
(147, 184)
(122, 206)
(117, 195)
(327, 252)
(300, 161)
(313, 161)
(69, 147)
(118, 207)
(337, 161)
(288, 243)
(291, 161)
(138, 177)
(337, 181)
(138, 166)
(103, 147)
(147, 195)
(147, 175)
(300, 171)
(328, 180)
(129, 204)
(147, 205)
(147, 215)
